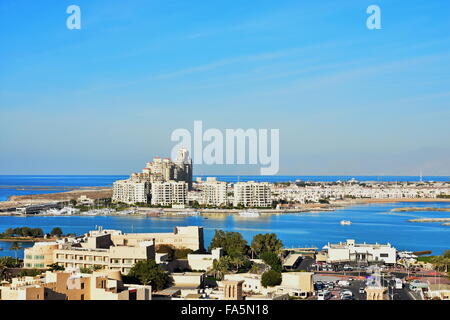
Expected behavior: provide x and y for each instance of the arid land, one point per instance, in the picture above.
(26, 200)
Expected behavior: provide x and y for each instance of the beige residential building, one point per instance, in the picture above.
(296, 284)
(188, 279)
(169, 193)
(252, 194)
(131, 191)
(119, 258)
(40, 255)
(111, 249)
(214, 192)
(190, 237)
(104, 285)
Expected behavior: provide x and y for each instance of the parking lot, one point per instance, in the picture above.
(346, 283)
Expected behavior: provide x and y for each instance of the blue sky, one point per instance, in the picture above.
(105, 99)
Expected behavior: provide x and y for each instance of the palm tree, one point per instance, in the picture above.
(237, 262)
(15, 246)
(220, 267)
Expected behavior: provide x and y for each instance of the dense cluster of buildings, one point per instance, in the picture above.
(74, 285)
(162, 182)
(300, 193)
(167, 183)
(110, 249)
(110, 254)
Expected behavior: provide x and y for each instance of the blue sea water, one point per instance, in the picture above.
(107, 180)
(7, 183)
(371, 223)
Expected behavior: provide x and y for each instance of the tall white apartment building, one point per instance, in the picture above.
(131, 191)
(214, 192)
(252, 194)
(168, 193)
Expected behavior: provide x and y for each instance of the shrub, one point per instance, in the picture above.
(271, 278)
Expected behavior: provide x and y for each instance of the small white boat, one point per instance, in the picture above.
(189, 213)
(345, 222)
(249, 214)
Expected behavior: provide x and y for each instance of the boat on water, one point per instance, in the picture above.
(188, 213)
(64, 211)
(345, 222)
(249, 214)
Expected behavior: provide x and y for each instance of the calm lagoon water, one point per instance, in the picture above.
(371, 223)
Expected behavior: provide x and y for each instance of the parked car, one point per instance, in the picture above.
(318, 285)
(347, 268)
(343, 283)
(323, 295)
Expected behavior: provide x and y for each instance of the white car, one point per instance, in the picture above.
(346, 293)
(343, 283)
(323, 295)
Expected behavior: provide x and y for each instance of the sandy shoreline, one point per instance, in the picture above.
(26, 200)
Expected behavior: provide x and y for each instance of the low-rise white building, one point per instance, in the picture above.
(361, 252)
(204, 261)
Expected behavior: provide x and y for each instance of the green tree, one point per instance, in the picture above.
(9, 262)
(147, 272)
(232, 243)
(446, 254)
(55, 267)
(36, 232)
(9, 232)
(254, 269)
(220, 267)
(15, 246)
(56, 232)
(29, 273)
(238, 262)
(166, 248)
(271, 278)
(267, 242)
(272, 260)
(182, 253)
